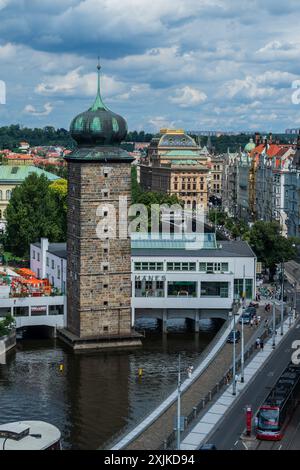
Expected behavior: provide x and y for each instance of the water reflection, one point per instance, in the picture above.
(96, 396)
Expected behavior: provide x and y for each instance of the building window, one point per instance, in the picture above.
(33, 254)
(148, 266)
(47, 261)
(52, 264)
(56, 309)
(8, 194)
(238, 288)
(175, 266)
(138, 285)
(0, 195)
(58, 272)
(182, 289)
(38, 256)
(214, 289)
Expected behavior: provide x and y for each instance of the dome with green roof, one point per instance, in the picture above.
(250, 146)
(98, 125)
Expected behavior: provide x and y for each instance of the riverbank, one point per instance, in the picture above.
(7, 342)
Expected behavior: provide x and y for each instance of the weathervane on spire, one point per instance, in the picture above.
(98, 65)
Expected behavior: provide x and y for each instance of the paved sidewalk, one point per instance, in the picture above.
(213, 417)
(151, 433)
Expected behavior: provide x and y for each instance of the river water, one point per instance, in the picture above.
(96, 396)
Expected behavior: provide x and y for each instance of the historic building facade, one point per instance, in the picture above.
(176, 165)
(98, 263)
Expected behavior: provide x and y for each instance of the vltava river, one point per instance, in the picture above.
(98, 395)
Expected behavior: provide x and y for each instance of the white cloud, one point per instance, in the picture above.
(74, 83)
(187, 97)
(279, 50)
(7, 51)
(30, 109)
(160, 122)
(3, 3)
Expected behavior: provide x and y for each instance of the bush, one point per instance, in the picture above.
(7, 325)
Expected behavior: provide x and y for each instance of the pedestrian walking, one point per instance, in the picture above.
(257, 342)
(251, 322)
(258, 319)
(261, 344)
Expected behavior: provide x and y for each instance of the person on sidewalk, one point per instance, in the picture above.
(257, 343)
(261, 344)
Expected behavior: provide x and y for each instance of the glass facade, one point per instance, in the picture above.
(214, 289)
(238, 288)
(182, 289)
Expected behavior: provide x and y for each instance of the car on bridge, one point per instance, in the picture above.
(231, 338)
(250, 310)
(245, 318)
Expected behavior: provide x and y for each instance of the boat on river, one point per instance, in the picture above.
(29, 435)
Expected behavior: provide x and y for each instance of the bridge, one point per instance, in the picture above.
(213, 372)
(193, 316)
(35, 311)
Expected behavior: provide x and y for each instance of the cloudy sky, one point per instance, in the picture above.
(196, 64)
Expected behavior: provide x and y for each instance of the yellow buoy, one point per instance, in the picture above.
(61, 367)
(140, 372)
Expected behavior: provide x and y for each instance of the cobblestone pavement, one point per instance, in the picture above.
(154, 435)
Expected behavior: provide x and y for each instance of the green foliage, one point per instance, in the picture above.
(217, 217)
(270, 246)
(10, 136)
(34, 211)
(7, 325)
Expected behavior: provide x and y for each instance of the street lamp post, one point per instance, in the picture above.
(234, 358)
(274, 325)
(178, 404)
(295, 302)
(282, 291)
(242, 353)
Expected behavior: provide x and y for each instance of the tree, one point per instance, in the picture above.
(218, 217)
(34, 211)
(6, 325)
(270, 246)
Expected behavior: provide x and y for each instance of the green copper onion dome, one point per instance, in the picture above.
(98, 125)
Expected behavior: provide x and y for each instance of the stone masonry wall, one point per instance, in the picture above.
(98, 281)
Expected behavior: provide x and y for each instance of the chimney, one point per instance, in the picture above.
(44, 249)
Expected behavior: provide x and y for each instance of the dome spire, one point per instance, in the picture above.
(98, 103)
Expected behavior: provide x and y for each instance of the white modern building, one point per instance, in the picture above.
(171, 278)
(49, 260)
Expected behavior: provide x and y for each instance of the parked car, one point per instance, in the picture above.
(230, 338)
(251, 311)
(245, 318)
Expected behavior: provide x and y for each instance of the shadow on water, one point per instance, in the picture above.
(96, 395)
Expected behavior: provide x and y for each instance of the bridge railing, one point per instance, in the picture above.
(170, 441)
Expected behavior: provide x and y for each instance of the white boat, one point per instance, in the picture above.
(29, 435)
